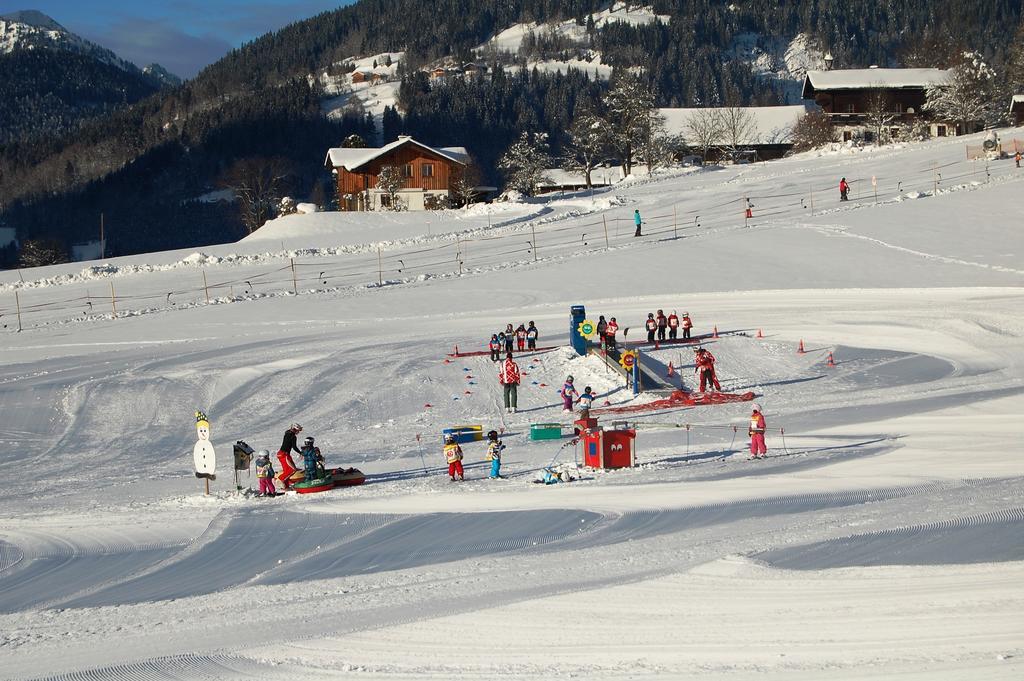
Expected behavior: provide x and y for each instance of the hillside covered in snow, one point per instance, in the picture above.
(880, 538)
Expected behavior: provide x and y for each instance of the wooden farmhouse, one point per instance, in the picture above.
(767, 134)
(848, 95)
(427, 174)
(1017, 109)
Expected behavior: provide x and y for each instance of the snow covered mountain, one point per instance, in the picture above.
(33, 30)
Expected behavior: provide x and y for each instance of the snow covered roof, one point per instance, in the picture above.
(351, 159)
(772, 124)
(1014, 101)
(863, 79)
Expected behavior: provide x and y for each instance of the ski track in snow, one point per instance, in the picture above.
(880, 538)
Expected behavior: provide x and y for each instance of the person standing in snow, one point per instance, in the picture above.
(602, 327)
(637, 221)
(704, 363)
(758, 449)
(532, 334)
(609, 333)
(586, 401)
(521, 338)
(494, 345)
(265, 474)
(494, 448)
(508, 376)
(687, 325)
(1016, 159)
(844, 190)
(673, 325)
(569, 394)
(453, 455)
(652, 326)
(662, 324)
(510, 335)
(284, 455)
(311, 460)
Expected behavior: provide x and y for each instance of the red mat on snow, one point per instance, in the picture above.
(678, 398)
(477, 353)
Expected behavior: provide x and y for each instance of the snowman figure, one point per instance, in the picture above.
(202, 453)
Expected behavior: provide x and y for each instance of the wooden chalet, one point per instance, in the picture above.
(1017, 109)
(847, 95)
(427, 174)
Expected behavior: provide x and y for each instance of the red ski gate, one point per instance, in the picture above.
(608, 448)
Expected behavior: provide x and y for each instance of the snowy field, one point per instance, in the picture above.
(883, 537)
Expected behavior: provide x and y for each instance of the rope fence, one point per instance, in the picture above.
(28, 306)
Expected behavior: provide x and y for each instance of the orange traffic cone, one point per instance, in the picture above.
(831, 361)
(671, 370)
(759, 334)
(715, 334)
(800, 350)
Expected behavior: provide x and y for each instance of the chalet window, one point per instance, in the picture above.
(850, 108)
(940, 131)
(385, 201)
(428, 170)
(407, 170)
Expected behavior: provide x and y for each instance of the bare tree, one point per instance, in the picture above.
(588, 143)
(659, 148)
(812, 130)
(879, 116)
(630, 107)
(390, 181)
(258, 185)
(463, 183)
(968, 97)
(704, 130)
(738, 127)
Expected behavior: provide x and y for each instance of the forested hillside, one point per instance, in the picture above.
(151, 158)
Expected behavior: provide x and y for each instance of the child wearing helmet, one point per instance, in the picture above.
(311, 460)
(585, 401)
(758, 449)
(453, 455)
(494, 447)
(569, 394)
(532, 334)
(652, 326)
(265, 474)
(494, 345)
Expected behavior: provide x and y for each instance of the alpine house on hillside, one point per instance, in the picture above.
(426, 175)
(850, 97)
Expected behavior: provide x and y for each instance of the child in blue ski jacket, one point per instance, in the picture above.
(586, 401)
(311, 460)
(494, 448)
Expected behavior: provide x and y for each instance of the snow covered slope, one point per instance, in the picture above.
(882, 537)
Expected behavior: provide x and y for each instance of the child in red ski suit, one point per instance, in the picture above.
(705, 367)
(521, 338)
(453, 455)
(758, 449)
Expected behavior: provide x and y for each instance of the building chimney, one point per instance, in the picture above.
(828, 61)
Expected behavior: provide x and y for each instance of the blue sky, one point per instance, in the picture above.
(181, 35)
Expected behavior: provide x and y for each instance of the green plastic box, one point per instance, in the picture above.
(546, 431)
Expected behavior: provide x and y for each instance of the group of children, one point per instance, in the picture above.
(312, 462)
(657, 326)
(523, 337)
(453, 455)
(571, 396)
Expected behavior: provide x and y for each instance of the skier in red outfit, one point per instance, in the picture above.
(758, 450)
(662, 324)
(521, 337)
(673, 325)
(687, 325)
(844, 190)
(705, 367)
(284, 455)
